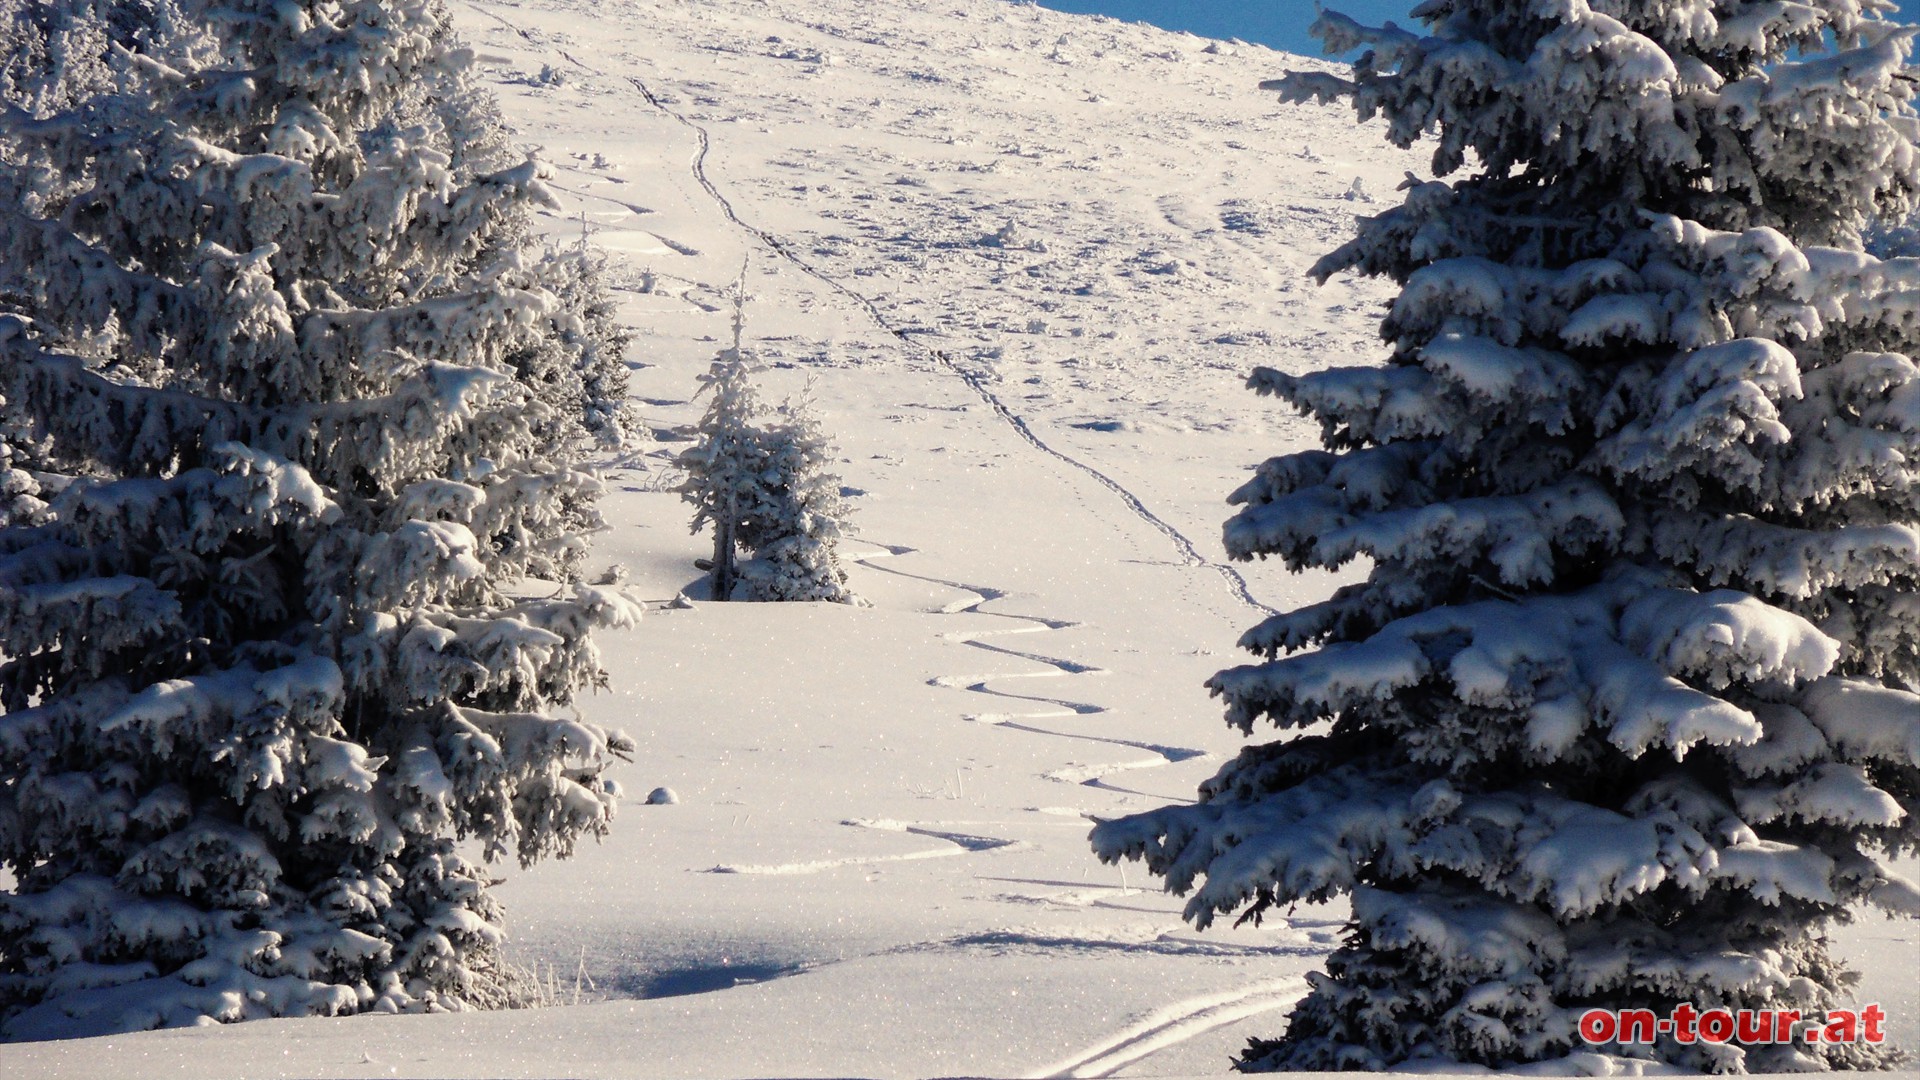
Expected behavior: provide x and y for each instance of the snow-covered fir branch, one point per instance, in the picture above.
(292, 406)
(760, 478)
(1625, 712)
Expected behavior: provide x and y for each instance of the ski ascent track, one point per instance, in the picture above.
(1130, 1040)
(1189, 554)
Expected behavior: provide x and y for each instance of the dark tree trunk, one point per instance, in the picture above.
(723, 550)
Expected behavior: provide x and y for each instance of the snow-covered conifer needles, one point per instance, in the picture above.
(797, 556)
(274, 469)
(761, 478)
(1625, 711)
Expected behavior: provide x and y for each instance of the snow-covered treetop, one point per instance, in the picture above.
(1732, 113)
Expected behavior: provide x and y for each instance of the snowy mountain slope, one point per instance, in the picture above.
(1161, 210)
(878, 865)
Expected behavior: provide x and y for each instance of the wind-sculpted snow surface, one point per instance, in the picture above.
(1102, 263)
(980, 382)
(1636, 489)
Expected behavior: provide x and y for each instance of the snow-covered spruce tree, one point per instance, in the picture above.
(579, 366)
(54, 54)
(1624, 713)
(760, 477)
(727, 477)
(795, 543)
(20, 490)
(262, 672)
(51, 58)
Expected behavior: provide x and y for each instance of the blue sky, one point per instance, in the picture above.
(1279, 23)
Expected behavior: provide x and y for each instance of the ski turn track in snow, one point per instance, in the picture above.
(1189, 555)
(958, 843)
(1169, 1025)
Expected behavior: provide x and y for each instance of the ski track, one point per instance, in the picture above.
(959, 844)
(985, 594)
(1189, 554)
(1176, 1023)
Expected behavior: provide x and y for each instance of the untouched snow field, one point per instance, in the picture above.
(1027, 259)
